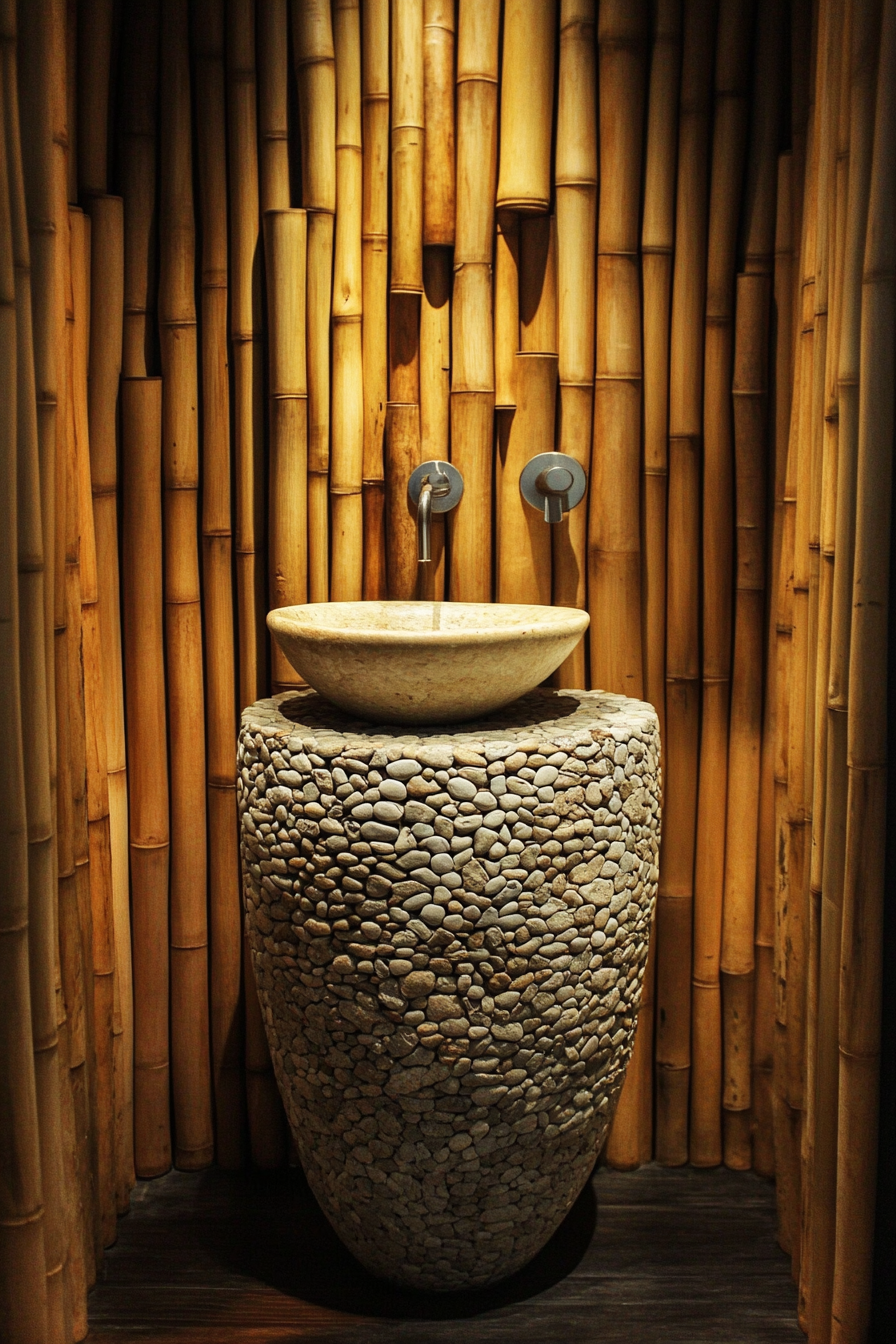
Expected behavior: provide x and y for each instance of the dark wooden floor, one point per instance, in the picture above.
(678, 1257)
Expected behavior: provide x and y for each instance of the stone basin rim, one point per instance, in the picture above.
(309, 622)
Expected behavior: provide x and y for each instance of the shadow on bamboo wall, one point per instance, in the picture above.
(257, 261)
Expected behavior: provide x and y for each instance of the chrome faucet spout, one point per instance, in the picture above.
(424, 519)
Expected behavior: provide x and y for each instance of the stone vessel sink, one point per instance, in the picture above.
(425, 662)
(448, 930)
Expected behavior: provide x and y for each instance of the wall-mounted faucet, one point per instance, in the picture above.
(434, 487)
(554, 482)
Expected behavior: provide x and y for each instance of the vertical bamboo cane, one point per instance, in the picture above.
(527, 101)
(767, 857)
(138, 151)
(30, 160)
(524, 542)
(734, 40)
(23, 1295)
(225, 922)
(95, 25)
(576, 206)
(273, 130)
(407, 147)
(864, 37)
(473, 335)
(739, 989)
(190, 1075)
(70, 93)
(100, 851)
(614, 541)
(402, 456)
(374, 281)
(285, 240)
(435, 378)
(657, 246)
(245, 335)
(674, 906)
(538, 285)
(347, 412)
(141, 421)
(863, 887)
(316, 76)
(104, 372)
(438, 118)
(507, 307)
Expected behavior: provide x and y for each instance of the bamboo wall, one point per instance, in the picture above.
(257, 261)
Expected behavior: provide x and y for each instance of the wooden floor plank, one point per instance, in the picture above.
(655, 1256)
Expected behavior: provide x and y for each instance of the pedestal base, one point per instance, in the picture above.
(449, 931)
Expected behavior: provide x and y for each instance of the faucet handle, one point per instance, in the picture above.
(554, 482)
(444, 480)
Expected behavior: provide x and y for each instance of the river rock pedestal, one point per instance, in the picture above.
(449, 928)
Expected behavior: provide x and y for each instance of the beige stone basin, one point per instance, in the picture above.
(425, 662)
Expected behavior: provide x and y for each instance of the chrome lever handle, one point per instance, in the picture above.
(553, 483)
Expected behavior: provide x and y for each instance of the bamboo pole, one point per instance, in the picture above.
(23, 1286)
(273, 128)
(614, 542)
(347, 413)
(99, 841)
(104, 372)
(225, 922)
(742, 993)
(406, 272)
(316, 77)
(374, 282)
(863, 886)
(524, 541)
(30, 148)
(402, 456)
(675, 899)
(507, 307)
(285, 237)
(70, 93)
(141, 421)
(576, 226)
(438, 118)
(472, 331)
(190, 1076)
(245, 335)
(138, 151)
(95, 28)
(777, 637)
(538, 285)
(527, 101)
(863, 50)
(733, 49)
(435, 379)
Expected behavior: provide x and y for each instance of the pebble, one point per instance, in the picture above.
(449, 931)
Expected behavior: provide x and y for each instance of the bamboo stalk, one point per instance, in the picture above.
(225, 922)
(190, 1076)
(316, 77)
(865, 21)
(438, 118)
(435, 380)
(657, 247)
(407, 136)
(507, 308)
(104, 372)
(538, 285)
(527, 99)
(95, 27)
(767, 865)
(576, 225)
(402, 456)
(246, 351)
(524, 541)
(100, 851)
(285, 247)
(32, 213)
(863, 887)
(141, 420)
(273, 128)
(675, 898)
(70, 93)
(23, 1295)
(374, 282)
(138, 151)
(733, 46)
(347, 414)
(614, 545)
